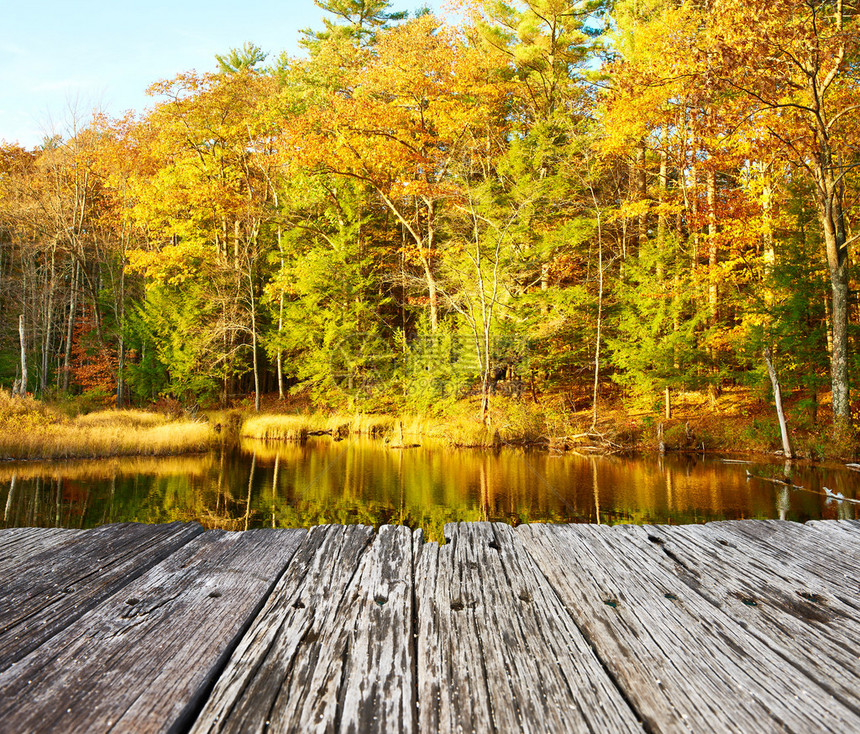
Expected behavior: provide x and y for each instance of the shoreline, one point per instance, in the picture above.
(31, 430)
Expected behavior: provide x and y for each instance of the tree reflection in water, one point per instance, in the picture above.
(364, 481)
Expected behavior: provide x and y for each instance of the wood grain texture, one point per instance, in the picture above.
(736, 626)
(814, 632)
(143, 659)
(332, 649)
(18, 544)
(834, 561)
(62, 575)
(685, 664)
(497, 651)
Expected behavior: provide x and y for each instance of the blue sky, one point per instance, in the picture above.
(62, 59)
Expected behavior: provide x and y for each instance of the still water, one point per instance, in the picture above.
(363, 481)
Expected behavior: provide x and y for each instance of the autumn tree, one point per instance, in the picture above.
(543, 55)
(408, 114)
(206, 204)
(781, 86)
(794, 76)
(52, 195)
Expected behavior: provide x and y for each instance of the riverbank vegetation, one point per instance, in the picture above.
(739, 421)
(31, 430)
(546, 221)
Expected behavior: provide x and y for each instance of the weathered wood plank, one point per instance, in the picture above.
(817, 634)
(809, 561)
(785, 534)
(496, 649)
(847, 530)
(143, 659)
(833, 563)
(534, 629)
(332, 649)
(684, 663)
(62, 578)
(452, 686)
(833, 539)
(18, 544)
(378, 688)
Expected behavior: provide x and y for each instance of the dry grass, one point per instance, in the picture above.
(134, 419)
(283, 427)
(297, 427)
(509, 421)
(461, 429)
(372, 424)
(456, 430)
(30, 430)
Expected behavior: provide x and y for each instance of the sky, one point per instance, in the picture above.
(62, 59)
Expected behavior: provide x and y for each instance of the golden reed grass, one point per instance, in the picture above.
(31, 430)
(297, 427)
(462, 430)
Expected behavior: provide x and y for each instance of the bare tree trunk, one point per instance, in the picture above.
(713, 287)
(662, 222)
(120, 372)
(676, 320)
(832, 220)
(839, 357)
(70, 329)
(425, 248)
(428, 270)
(250, 488)
(777, 397)
(22, 335)
(9, 497)
(275, 485)
(694, 196)
(642, 190)
(713, 291)
(544, 286)
(434, 299)
(254, 337)
(49, 322)
(768, 251)
(596, 390)
(280, 317)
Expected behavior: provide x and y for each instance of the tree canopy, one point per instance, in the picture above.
(634, 198)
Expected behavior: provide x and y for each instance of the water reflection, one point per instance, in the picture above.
(363, 481)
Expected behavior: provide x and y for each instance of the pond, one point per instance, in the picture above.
(364, 481)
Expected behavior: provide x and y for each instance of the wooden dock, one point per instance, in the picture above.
(747, 626)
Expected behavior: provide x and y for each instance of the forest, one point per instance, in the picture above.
(612, 202)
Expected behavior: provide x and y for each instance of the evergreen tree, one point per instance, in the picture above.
(332, 330)
(356, 20)
(247, 58)
(654, 345)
